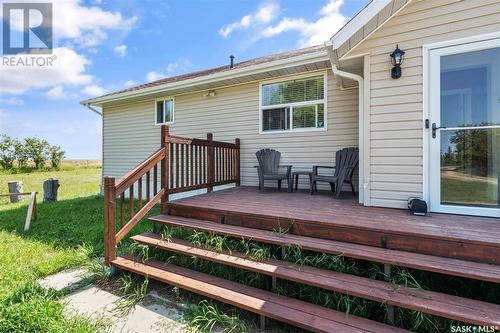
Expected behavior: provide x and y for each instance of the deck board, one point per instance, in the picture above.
(465, 237)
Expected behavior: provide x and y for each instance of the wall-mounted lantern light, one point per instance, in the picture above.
(397, 57)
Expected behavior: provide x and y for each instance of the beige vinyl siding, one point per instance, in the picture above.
(396, 111)
(130, 134)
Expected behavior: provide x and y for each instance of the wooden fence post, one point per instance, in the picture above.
(238, 145)
(109, 220)
(210, 163)
(165, 132)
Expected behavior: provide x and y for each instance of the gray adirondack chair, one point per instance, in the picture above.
(346, 161)
(269, 168)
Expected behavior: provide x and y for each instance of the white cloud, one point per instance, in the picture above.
(69, 68)
(87, 25)
(121, 50)
(57, 92)
(263, 15)
(179, 66)
(312, 32)
(3, 114)
(76, 24)
(129, 83)
(12, 101)
(93, 90)
(153, 76)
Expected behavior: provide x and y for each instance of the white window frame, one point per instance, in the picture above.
(163, 99)
(291, 105)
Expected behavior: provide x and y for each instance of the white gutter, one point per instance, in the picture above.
(363, 182)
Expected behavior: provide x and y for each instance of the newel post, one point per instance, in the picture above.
(109, 220)
(238, 145)
(165, 132)
(210, 162)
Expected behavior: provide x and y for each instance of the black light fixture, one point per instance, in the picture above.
(397, 57)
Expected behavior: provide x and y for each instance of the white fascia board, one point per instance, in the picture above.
(212, 78)
(358, 22)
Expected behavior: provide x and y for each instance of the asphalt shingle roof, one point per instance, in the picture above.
(206, 72)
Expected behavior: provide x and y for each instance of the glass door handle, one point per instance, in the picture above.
(434, 129)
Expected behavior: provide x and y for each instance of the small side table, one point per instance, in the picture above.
(296, 174)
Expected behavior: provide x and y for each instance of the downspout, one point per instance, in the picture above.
(363, 180)
(102, 143)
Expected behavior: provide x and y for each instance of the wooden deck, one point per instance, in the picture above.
(463, 237)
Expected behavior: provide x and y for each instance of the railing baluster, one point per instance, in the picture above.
(177, 165)
(204, 164)
(237, 161)
(217, 164)
(183, 166)
(165, 135)
(139, 193)
(155, 179)
(222, 166)
(122, 210)
(228, 164)
(131, 200)
(191, 178)
(148, 185)
(195, 166)
(171, 165)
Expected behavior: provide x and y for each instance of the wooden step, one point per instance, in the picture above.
(448, 306)
(301, 314)
(455, 267)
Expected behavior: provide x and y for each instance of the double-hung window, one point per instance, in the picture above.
(165, 111)
(293, 105)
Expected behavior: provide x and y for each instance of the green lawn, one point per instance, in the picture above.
(66, 234)
(468, 192)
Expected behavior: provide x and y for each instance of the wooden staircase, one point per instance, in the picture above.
(289, 310)
(187, 164)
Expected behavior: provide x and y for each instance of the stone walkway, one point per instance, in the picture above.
(153, 314)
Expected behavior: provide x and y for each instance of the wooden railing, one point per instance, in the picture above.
(181, 164)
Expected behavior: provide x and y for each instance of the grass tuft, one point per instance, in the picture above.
(207, 316)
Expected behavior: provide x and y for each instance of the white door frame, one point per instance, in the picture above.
(431, 78)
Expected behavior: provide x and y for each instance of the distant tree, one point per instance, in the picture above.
(7, 152)
(21, 154)
(38, 151)
(56, 156)
(472, 149)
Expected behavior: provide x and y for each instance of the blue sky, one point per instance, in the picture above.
(105, 45)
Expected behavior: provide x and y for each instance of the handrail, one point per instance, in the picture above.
(139, 171)
(184, 164)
